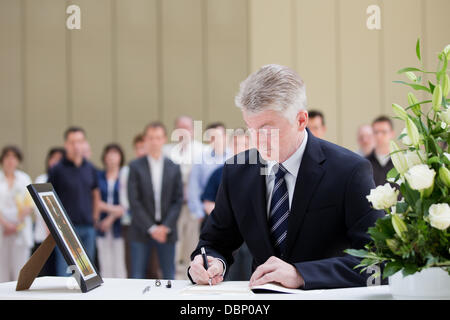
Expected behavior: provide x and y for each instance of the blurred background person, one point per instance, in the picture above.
(110, 244)
(140, 150)
(316, 123)
(213, 157)
(16, 234)
(75, 181)
(183, 153)
(241, 270)
(87, 150)
(155, 194)
(365, 139)
(383, 129)
(40, 228)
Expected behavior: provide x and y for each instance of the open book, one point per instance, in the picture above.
(236, 287)
(273, 288)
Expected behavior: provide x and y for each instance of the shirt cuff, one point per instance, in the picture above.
(224, 266)
(151, 229)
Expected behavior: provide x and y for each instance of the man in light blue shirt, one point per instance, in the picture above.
(213, 157)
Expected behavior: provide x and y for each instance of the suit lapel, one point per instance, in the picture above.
(148, 180)
(308, 178)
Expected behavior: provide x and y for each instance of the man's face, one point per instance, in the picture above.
(273, 134)
(155, 139)
(216, 137)
(383, 133)
(75, 145)
(365, 137)
(317, 127)
(186, 127)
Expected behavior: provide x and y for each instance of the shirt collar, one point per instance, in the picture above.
(151, 159)
(291, 164)
(70, 162)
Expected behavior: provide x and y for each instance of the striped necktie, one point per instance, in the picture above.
(279, 212)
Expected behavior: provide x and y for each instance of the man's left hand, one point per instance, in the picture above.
(279, 271)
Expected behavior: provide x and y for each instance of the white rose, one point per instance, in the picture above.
(405, 140)
(420, 177)
(383, 197)
(439, 216)
(413, 159)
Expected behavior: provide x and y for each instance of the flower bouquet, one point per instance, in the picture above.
(414, 234)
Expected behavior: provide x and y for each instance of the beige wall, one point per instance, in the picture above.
(140, 60)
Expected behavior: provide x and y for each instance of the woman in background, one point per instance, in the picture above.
(40, 228)
(16, 234)
(110, 244)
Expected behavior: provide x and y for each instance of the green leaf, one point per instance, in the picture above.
(357, 253)
(401, 207)
(432, 160)
(391, 268)
(392, 173)
(410, 268)
(411, 195)
(432, 86)
(408, 69)
(413, 85)
(419, 56)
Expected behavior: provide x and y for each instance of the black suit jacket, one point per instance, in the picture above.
(329, 213)
(142, 203)
(379, 171)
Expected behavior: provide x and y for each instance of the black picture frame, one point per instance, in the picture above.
(63, 231)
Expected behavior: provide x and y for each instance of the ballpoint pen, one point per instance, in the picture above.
(205, 262)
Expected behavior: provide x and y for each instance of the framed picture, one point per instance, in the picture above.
(62, 230)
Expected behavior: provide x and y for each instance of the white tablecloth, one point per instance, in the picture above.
(61, 288)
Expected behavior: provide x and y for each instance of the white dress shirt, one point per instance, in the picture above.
(292, 165)
(156, 172)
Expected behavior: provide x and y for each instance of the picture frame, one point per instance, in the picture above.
(65, 236)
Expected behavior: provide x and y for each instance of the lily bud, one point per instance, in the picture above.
(445, 86)
(412, 100)
(398, 158)
(393, 245)
(399, 111)
(399, 226)
(413, 133)
(437, 97)
(444, 175)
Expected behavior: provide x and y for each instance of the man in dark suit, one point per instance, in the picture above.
(298, 207)
(155, 193)
(383, 130)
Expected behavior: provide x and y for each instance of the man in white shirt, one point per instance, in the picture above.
(183, 153)
(155, 194)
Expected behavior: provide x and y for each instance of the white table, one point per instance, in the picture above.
(61, 288)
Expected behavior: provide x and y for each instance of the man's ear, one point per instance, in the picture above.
(302, 119)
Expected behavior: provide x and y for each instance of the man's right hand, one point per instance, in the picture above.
(201, 276)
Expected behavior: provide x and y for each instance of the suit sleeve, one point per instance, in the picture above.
(176, 201)
(220, 236)
(338, 272)
(144, 220)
